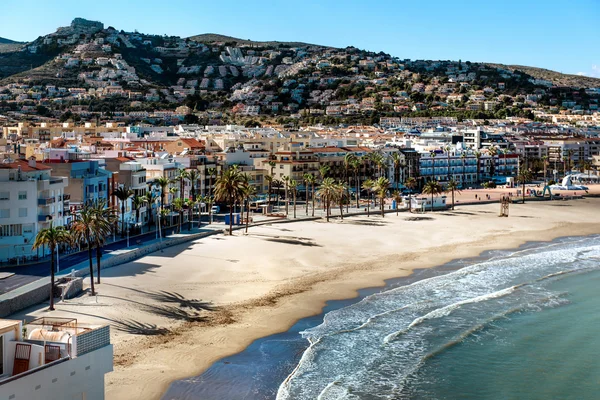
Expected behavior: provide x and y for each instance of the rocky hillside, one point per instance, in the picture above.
(557, 78)
(216, 38)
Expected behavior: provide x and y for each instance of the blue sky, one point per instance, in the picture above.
(559, 35)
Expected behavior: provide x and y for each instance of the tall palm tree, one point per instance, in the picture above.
(212, 172)
(294, 189)
(381, 187)
(229, 188)
(433, 188)
(270, 178)
(149, 198)
(493, 152)
(410, 183)
(277, 184)
(545, 162)
(286, 183)
(104, 219)
(85, 228)
(523, 177)
(368, 187)
(477, 157)
(52, 237)
(163, 183)
(307, 181)
(432, 155)
(447, 150)
(138, 202)
(193, 175)
(397, 196)
(323, 170)
(348, 159)
(452, 186)
(396, 161)
(356, 164)
(181, 178)
(248, 193)
(123, 194)
(190, 204)
(178, 205)
(327, 192)
(463, 157)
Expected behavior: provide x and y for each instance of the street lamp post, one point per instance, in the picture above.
(57, 259)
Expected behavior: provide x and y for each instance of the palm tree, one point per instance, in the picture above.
(193, 175)
(348, 159)
(433, 188)
(432, 155)
(123, 194)
(447, 149)
(104, 219)
(396, 161)
(183, 175)
(149, 200)
(163, 183)
(410, 183)
(397, 196)
(368, 186)
(211, 172)
(286, 182)
(545, 161)
(294, 188)
(463, 157)
(477, 157)
(277, 184)
(52, 237)
(249, 191)
(523, 177)
(323, 170)
(229, 188)
(492, 151)
(327, 192)
(381, 187)
(308, 178)
(190, 204)
(173, 191)
(356, 164)
(84, 228)
(138, 202)
(452, 186)
(178, 204)
(270, 181)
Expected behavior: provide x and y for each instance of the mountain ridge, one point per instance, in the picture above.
(217, 37)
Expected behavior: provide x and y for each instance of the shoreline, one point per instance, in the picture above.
(209, 383)
(259, 296)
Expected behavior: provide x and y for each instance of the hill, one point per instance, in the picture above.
(557, 78)
(7, 41)
(7, 45)
(216, 38)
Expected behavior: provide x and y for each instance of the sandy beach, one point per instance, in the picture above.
(199, 302)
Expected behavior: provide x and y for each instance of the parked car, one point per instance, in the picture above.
(215, 209)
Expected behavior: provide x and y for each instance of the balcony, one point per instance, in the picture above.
(46, 201)
(44, 218)
(66, 197)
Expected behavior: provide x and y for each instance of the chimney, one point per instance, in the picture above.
(32, 162)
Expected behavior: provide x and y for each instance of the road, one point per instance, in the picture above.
(30, 273)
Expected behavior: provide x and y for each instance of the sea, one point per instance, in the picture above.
(510, 324)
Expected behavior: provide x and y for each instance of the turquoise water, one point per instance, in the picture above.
(553, 354)
(521, 324)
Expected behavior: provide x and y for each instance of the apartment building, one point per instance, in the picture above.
(53, 359)
(295, 161)
(31, 199)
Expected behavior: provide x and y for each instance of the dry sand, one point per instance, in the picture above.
(263, 282)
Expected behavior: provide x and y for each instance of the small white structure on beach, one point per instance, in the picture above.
(569, 183)
(423, 202)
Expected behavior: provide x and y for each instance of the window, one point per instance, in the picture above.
(4, 195)
(5, 213)
(22, 195)
(22, 212)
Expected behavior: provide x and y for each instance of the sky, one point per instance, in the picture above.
(560, 35)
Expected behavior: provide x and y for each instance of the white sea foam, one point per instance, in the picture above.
(353, 351)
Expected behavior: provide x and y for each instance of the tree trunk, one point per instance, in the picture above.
(89, 245)
(52, 255)
(452, 199)
(98, 256)
(269, 200)
(357, 191)
(122, 219)
(287, 202)
(382, 203)
(231, 205)
(313, 199)
(294, 204)
(306, 189)
(432, 202)
(327, 210)
(342, 211)
(247, 215)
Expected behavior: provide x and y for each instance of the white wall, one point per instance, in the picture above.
(79, 378)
